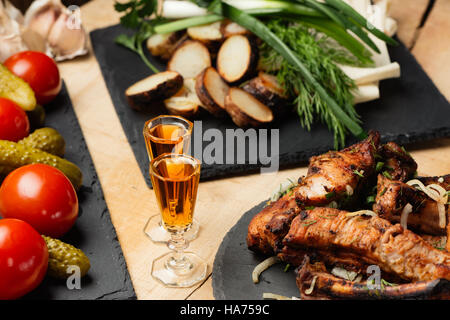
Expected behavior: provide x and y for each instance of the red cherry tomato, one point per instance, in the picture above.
(23, 258)
(39, 70)
(14, 124)
(42, 196)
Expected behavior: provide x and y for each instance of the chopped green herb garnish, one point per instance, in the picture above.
(309, 208)
(307, 224)
(287, 267)
(383, 192)
(370, 199)
(359, 173)
(387, 175)
(379, 166)
(386, 283)
(330, 195)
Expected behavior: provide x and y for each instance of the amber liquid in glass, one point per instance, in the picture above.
(165, 138)
(176, 191)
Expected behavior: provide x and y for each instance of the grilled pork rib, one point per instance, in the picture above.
(333, 176)
(375, 240)
(399, 163)
(327, 286)
(337, 175)
(392, 197)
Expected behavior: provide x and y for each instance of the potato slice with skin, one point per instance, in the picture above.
(211, 90)
(163, 45)
(229, 28)
(208, 34)
(237, 59)
(155, 88)
(245, 110)
(185, 102)
(189, 59)
(266, 89)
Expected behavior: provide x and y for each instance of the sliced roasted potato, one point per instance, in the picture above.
(266, 89)
(189, 59)
(237, 59)
(209, 34)
(163, 45)
(185, 102)
(144, 93)
(245, 110)
(211, 90)
(229, 28)
(15, 89)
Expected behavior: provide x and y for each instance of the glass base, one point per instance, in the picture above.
(156, 232)
(192, 271)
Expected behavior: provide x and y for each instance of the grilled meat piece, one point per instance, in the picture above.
(336, 175)
(392, 197)
(437, 242)
(443, 181)
(263, 233)
(327, 286)
(331, 177)
(398, 163)
(332, 258)
(375, 240)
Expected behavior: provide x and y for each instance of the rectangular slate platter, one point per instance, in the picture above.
(93, 231)
(411, 109)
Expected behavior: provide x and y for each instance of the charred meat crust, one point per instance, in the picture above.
(375, 240)
(259, 237)
(399, 163)
(337, 175)
(328, 286)
(392, 197)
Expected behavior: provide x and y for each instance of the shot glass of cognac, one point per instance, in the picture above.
(175, 179)
(167, 134)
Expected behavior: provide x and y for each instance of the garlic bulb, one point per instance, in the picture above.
(59, 27)
(66, 42)
(41, 16)
(10, 35)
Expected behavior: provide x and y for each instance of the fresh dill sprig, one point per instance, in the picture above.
(321, 59)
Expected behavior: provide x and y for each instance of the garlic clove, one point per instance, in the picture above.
(34, 40)
(67, 39)
(41, 16)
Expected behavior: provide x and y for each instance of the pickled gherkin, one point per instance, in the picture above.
(62, 256)
(14, 155)
(46, 139)
(15, 89)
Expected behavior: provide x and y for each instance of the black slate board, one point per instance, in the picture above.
(411, 109)
(234, 264)
(93, 232)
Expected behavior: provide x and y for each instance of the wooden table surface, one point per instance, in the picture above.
(220, 202)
